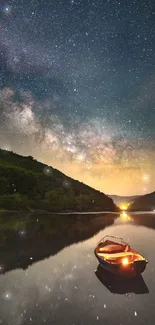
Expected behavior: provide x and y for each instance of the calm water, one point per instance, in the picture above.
(49, 276)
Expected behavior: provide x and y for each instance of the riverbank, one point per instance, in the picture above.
(57, 213)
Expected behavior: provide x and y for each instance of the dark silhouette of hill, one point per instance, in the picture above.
(143, 203)
(28, 238)
(26, 183)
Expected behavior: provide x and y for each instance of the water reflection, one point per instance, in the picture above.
(116, 284)
(147, 220)
(58, 285)
(126, 217)
(27, 239)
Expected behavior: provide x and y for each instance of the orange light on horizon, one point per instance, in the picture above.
(125, 261)
(124, 206)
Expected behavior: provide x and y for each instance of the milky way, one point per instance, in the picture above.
(77, 90)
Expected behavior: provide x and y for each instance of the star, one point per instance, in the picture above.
(7, 9)
(73, 97)
(8, 295)
(146, 178)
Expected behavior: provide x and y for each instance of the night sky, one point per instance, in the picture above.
(77, 89)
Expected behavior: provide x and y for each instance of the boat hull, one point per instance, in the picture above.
(132, 270)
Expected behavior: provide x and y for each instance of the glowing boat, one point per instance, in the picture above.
(118, 257)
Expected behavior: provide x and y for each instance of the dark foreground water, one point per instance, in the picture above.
(49, 274)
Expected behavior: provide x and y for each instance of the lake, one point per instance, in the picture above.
(49, 274)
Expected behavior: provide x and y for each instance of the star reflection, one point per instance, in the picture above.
(8, 295)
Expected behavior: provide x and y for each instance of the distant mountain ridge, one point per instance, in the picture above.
(144, 203)
(27, 183)
(123, 199)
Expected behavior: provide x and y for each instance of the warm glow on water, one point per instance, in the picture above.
(124, 215)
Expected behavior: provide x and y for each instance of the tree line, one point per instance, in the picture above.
(27, 184)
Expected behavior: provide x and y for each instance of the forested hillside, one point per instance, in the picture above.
(28, 184)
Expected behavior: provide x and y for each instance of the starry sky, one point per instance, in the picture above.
(77, 89)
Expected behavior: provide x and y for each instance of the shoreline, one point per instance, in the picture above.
(75, 212)
(59, 213)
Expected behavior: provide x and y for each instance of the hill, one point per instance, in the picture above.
(28, 184)
(144, 203)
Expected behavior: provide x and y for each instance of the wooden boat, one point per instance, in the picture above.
(118, 257)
